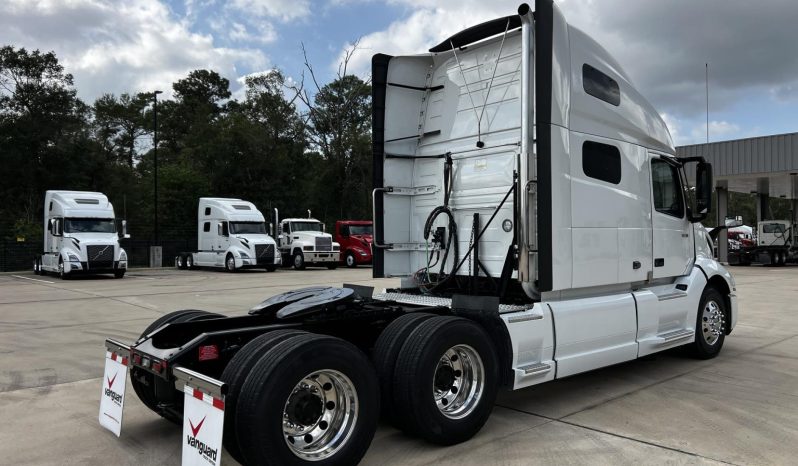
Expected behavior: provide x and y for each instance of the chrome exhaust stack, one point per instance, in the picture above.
(526, 170)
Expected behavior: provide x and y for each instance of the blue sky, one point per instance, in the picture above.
(115, 46)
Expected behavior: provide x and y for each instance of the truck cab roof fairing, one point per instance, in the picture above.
(478, 32)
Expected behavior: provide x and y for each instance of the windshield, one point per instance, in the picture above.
(89, 225)
(241, 228)
(773, 228)
(360, 229)
(305, 226)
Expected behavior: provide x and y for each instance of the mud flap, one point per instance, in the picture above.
(112, 392)
(203, 417)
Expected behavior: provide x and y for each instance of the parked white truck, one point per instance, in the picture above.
(231, 234)
(530, 199)
(80, 236)
(304, 241)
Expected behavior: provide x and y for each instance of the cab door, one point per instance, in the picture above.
(222, 242)
(673, 253)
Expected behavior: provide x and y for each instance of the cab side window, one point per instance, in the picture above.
(667, 188)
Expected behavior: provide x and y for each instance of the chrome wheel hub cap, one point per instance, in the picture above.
(320, 415)
(459, 381)
(297, 261)
(712, 323)
(231, 263)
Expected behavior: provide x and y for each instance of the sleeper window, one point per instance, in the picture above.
(600, 86)
(601, 161)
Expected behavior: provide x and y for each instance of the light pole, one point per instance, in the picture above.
(155, 158)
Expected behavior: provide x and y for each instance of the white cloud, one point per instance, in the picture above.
(118, 46)
(662, 45)
(284, 10)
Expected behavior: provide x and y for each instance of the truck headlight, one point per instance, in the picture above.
(336, 248)
(122, 255)
(73, 257)
(244, 255)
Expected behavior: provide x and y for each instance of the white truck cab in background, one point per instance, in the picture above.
(304, 241)
(80, 235)
(231, 233)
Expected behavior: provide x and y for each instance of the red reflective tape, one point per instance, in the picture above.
(124, 361)
(197, 394)
(113, 356)
(217, 403)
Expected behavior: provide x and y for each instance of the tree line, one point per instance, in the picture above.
(277, 146)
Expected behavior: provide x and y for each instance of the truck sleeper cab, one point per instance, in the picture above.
(80, 236)
(231, 234)
(541, 226)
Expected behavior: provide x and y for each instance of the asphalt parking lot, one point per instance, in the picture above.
(740, 408)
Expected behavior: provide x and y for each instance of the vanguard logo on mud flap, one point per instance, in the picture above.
(205, 450)
(110, 393)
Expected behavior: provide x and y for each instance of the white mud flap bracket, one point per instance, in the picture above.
(203, 417)
(112, 392)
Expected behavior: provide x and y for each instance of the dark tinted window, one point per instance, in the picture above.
(207, 211)
(666, 188)
(600, 85)
(206, 227)
(601, 161)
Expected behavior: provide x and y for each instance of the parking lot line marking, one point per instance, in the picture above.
(31, 279)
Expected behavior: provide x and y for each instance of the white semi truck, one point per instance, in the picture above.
(530, 200)
(231, 234)
(304, 241)
(80, 236)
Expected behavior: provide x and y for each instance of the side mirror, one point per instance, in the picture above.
(271, 230)
(124, 230)
(703, 192)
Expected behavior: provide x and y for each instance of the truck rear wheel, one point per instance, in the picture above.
(37, 266)
(143, 382)
(235, 374)
(189, 261)
(445, 381)
(312, 399)
(710, 324)
(386, 351)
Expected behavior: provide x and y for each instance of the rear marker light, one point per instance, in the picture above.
(208, 352)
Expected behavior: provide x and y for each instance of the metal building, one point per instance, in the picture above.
(765, 165)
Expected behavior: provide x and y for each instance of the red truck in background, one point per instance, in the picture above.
(355, 238)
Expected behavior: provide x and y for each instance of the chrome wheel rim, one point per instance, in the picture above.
(350, 260)
(459, 381)
(298, 261)
(231, 263)
(320, 415)
(711, 322)
(60, 268)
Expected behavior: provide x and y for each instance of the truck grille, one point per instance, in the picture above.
(100, 256)
(324, 243)
(264, 254)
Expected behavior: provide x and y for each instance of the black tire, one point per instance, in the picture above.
(701, 347)
(61, 274)
(417, 372)
(230, 263)
(386, 350)
(119, 273)
(298, 260)
(350, 261)
(37, 266)
(146, 390)
(181, 262)
(272, 382)
(235, 374)
(332, 266)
